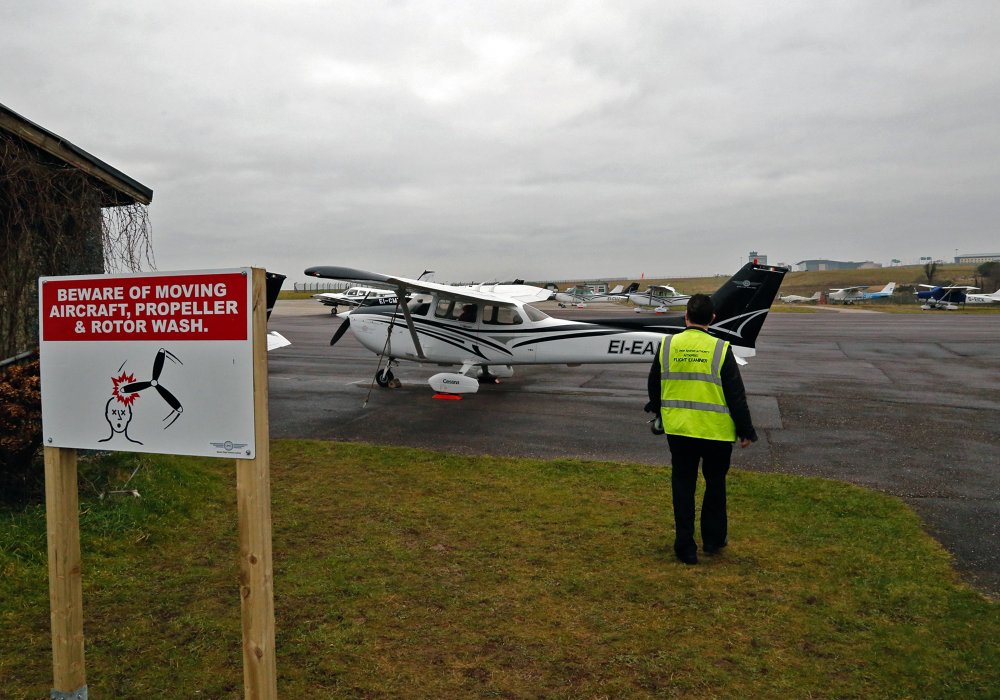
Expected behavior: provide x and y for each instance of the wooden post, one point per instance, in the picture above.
(253, 497)
(62, 517)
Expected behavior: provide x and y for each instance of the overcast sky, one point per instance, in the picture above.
(532, 139)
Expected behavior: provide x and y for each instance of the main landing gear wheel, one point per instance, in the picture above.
(383, 377)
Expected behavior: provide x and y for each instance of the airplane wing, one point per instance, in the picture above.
(524, 293)
(850, 289)
(403, 285)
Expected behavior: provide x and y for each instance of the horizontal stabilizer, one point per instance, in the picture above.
(275, 340)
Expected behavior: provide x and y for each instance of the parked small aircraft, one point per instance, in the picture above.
(850, 295)
(486, 333)
(948, 298)
(659, 297)
(793, 298)
(581, 296)
(353, 296)
(993, 298)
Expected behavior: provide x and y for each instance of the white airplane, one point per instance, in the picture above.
(850, 295)
(354, 296)
(993, 298)
(793, 298)
(660, 297)
(581, 297)
(485, 334)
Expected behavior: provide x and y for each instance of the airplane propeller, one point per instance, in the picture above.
(341, 330)
(171, 400)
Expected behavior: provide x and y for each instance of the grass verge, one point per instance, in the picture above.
(295, 295)
(406, 573)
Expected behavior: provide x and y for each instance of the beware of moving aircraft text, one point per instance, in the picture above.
(182, 307)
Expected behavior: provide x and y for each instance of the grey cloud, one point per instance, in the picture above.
(533, 140)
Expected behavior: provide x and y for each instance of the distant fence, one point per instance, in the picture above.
(324, 286)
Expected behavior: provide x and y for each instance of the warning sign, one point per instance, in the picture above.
(148, 363)
(173, 307)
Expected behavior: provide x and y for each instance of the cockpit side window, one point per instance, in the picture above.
(501, 315)
(466, 313)
(444, 308)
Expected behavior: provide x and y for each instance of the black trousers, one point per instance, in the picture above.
(714, 455)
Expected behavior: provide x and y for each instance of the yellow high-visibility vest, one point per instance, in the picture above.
(692, 402)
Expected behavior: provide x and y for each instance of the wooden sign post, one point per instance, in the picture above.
(253, 502)
(62, 517)
(253, 495)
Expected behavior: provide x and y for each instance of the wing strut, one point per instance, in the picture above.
(409, 324)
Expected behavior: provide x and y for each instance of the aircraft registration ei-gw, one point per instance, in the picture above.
(485, 331)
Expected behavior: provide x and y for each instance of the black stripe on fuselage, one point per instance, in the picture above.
(466, 340)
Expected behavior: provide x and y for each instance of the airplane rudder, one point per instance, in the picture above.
(752, 288)
(273, 282)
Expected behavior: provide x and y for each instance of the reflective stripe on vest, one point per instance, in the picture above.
(692, 401)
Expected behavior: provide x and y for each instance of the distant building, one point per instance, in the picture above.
(976, 258)
(815, 265)
(595, 286)
(757, 257)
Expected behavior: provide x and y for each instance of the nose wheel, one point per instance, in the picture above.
(383, 377)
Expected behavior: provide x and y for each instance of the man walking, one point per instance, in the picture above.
(696, 386)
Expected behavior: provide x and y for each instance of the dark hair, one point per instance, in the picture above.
(700, 309)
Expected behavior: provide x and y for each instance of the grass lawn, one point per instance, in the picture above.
(292, 295)
(406, 573)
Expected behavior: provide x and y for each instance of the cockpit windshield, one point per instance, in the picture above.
(534, 314)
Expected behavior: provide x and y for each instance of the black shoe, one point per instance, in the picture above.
(709, 549)
(689, 559)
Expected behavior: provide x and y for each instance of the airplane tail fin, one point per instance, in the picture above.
(616, 290)
(742, 303)
(889, 288)
(274, 282)
(816, 296)
(632, 288)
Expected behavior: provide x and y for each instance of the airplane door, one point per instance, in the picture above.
(455, 323)
(499, 325)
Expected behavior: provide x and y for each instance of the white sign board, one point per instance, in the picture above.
(150, 362)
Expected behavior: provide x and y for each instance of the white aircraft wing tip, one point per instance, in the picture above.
(275, 340)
